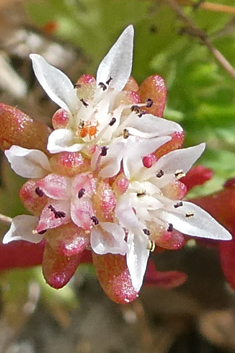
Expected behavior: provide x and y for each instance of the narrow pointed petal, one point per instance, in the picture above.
(61, 140)
(55, 186)
(110, 164)
(55, 83)
(58, 269)
(117, 64)
(22, 229)
(28, 163)
(137, 258)
(114, 277)
(199, 224)
(54, 214)
(19, 129)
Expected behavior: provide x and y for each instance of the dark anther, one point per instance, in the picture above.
(142, 112)
(81, 193)
(160, 173)
(84, 103)
(104, 150)
(95, 220)
(42, 231)
(39, 192)
(149, 103)
(77, 85)
(179, 174)
(189, 214)
(146, 231)
(58, 214)
(135, 108)
(141, 193)
(170, 227)
(109, 80)
(126, 134)
(178, 204)
(103, 86)
(112, 121)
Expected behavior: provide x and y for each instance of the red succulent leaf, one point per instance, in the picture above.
(114, 277)
(197, 175)
(58, 269)
(68, 239)
(19, 129)
(168, 279)
(131, 85)
(154, 87)
(174, 144)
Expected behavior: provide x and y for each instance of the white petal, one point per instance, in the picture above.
(111, 163)
(124, 212)
(22, 229)
(181, 159)
(55, 83)
(117, 64)
(28, 163)
(111, 241)
(62, 140)
(137, 259)
(152, 126)
(201, 224)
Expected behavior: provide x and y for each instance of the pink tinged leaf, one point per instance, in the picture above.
(154, 87)
(108, 238)
(57, 269)
(22, 228)
(69, 163)
(20, 254)
(117, 64)
(175, 190)
(175, 143)
(32, 197)
(104, 202)
(131, 85)
(168, 279)
(55, 83)
(60, 119)
(114, 277)
(54, 214)
(19, 129)
(198, 175)
(55, 186)
(86, 86)
(28, 163)
(68, 239)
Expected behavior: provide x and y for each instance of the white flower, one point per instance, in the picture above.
(112, 123)
(144, 205)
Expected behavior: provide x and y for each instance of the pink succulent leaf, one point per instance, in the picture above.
(22, 228)
(55, 186)
(193, 220)
(117, 64)
(55, 83)
(152, 126)
(108, 238)
(137, 257)
(63, 140)
(82, 212)
(54, 214)
(28, 163)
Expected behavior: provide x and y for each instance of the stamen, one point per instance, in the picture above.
(142, 112)
(170, 227)
(146, 231)
(149, 103)
(126, 134)
(179, 174)
(39, 192)
(141, 193)
(109, 80)
(178, 204)
(81, 193)
(135, 108)
(84, 103)
(104, 150)
(112, 121)
(103, 86)
(95, 220)
(189, 214)
(160, 173)
(151, 246)
(58, 214)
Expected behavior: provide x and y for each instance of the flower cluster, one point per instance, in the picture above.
(108, 177)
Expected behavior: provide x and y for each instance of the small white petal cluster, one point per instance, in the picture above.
(125, 152)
